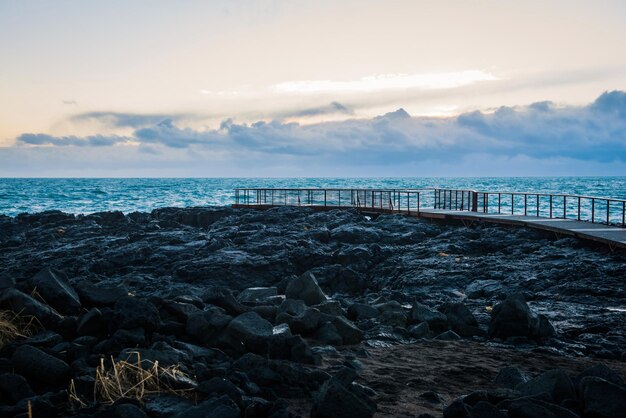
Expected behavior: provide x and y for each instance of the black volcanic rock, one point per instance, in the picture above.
(20, 302)
(39, 366)
(384, 276)
(92, 323)
(555, 383)
(14, 388)
(461, 319)
(132, 312)
(100, 295)
(513, 317)
(509, 377)
(55, 289)
(305, 288)
(249, 332)
(602, 399)
(436, 321)
(339, 397)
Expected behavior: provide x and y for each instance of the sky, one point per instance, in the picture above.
(284, 88)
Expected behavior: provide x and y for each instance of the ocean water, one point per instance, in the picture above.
(88, 195)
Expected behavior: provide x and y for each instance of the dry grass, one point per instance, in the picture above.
(14, 325)
(130, 380)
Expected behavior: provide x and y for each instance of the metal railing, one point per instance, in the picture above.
(389, 200)
(592, 209)
(602, 210)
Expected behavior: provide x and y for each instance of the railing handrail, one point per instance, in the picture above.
(321, 189)
(508, 192)
(611, 211)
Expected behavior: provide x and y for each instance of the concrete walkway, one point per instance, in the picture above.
(611, 235)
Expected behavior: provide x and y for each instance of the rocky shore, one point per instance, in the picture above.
(221, 312)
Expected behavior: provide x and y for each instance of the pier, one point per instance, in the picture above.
(591, 218)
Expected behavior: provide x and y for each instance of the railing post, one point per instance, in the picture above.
(324, 197)
(608, 207)
(593, 210)
(512, 203)
(525, 204)
(408, 202)
(418, 203)
(550, 206)
(474, 201)
(537, 206)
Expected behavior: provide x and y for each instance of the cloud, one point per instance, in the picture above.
(125, 120)
(425, 81)
(65, 141)
(333, 108)
(542, 131)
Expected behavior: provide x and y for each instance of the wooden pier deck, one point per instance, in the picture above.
(585, 217)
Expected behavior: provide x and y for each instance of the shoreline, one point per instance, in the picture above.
(384, 278)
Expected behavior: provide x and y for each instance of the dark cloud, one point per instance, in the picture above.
(125, 120)
(64, 141)
(333, 108)
(596, 132)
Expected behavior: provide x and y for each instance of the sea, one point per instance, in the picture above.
(89, 195)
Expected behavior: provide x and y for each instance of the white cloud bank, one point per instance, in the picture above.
(432, 81)
(540, 139)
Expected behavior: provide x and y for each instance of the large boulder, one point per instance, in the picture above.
(92, 323)
(221, 407)
(100, 295)
(305, 323)
(509, 377)
(54, 288)
(602, 399)
(122, 410)
(535, 408)
(13, 388)
(254, 295)
(205, 325)
(160, 352)
(218, 386)
(305, 288)
(602, 371)
(291, 307)
(249, 332)
(131, 312)
(437, 321)
(350, 333)
(340, 397)
(461, 320)
(40, 367)
(483, 289)
(358, 311)
(513, 317)
(223, 297)
(555, 383)
(26, 305)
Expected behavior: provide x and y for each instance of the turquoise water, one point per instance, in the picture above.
(127, 195)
